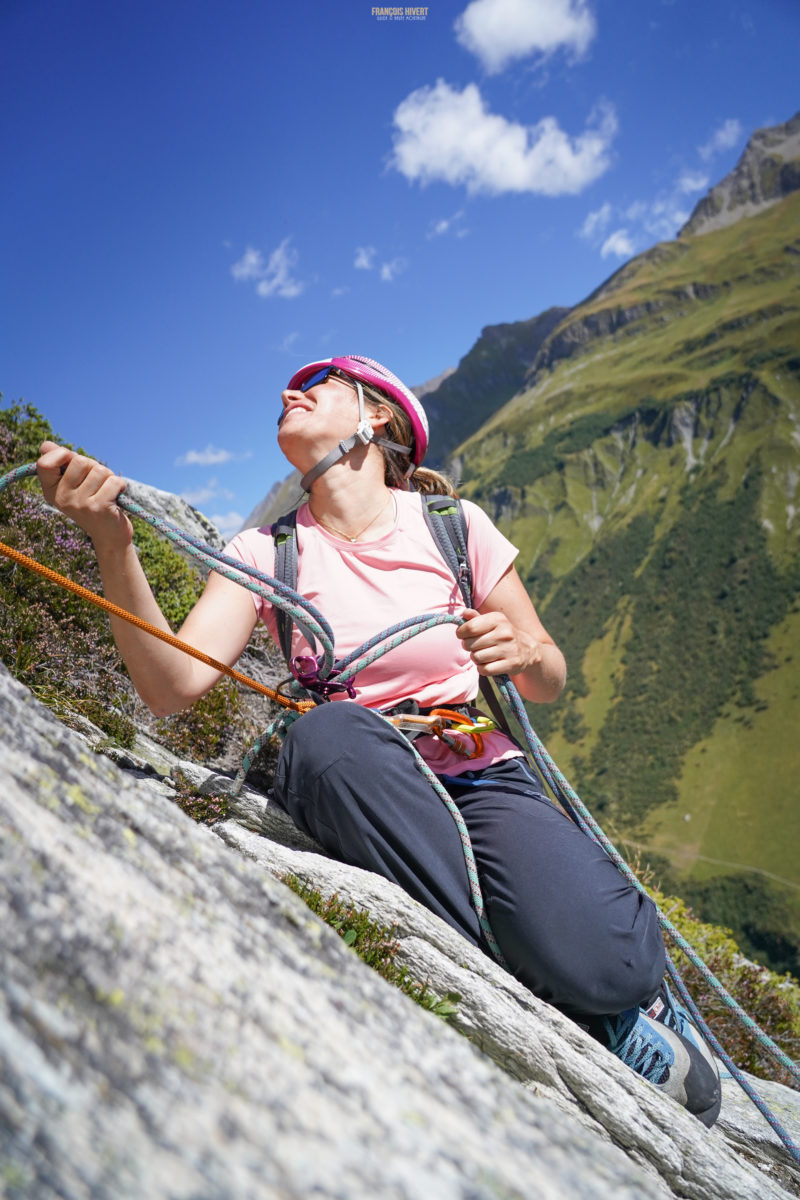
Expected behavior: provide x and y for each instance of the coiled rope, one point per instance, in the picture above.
(314, 626)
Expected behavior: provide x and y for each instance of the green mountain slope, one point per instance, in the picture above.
(649, 473)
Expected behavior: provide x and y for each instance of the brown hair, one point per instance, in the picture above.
(398, 429)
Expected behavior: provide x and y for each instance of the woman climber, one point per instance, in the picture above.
(569, 926)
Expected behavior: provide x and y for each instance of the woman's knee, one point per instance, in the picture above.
(608, 972)
(632, 969)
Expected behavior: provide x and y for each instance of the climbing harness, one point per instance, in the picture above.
(330, 673)
(444, 517)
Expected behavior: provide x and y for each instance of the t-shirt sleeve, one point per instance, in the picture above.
(490, 552)
(255, 548)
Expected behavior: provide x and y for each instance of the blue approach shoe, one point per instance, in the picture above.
(669, 1012)
(668, 1052)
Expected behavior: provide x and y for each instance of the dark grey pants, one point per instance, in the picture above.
(570, 927)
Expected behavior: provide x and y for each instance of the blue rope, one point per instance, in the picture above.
(313, 624)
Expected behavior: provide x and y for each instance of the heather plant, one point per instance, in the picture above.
(22, 431)
(176, 585)
(206, 810)
(204, 730)
(61, 647)
(772, 1000)
(50, 640)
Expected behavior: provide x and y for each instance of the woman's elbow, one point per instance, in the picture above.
(162, 704)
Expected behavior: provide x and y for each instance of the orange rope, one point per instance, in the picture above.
(170, 639)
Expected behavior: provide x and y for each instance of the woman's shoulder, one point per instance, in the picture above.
(254, 546)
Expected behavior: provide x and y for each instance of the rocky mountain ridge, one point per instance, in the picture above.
(768, 170)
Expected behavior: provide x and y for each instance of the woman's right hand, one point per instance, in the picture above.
(87, 492)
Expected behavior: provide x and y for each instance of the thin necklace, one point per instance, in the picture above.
(346, 536)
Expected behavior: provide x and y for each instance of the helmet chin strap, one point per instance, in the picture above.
(363, 435)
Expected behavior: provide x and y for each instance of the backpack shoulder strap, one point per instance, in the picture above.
(284, 535)
(445, 519)
(444, 516)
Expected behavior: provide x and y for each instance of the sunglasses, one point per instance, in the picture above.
(320, 377)
(317, 377)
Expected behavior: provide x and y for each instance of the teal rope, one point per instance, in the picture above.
(590, 826)
(721, 1053)
(567, 795)
(297, 607)
(391, 639)
(311, 621)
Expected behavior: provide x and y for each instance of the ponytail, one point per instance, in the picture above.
(432, 483)
(396, 473)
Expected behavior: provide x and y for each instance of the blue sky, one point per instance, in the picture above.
(198, 197)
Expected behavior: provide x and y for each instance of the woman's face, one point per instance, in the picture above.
(309, 414)
(314, 421)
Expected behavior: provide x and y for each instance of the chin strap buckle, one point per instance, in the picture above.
(365, 433)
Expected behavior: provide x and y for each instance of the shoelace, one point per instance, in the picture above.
(645, 1058)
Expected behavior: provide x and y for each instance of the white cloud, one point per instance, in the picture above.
(210, 457)
(340, 291)
(692, 181)
(273, 277)
(643, 222)
(365, 258)
(723, 138)
(390, 270)
(249, 266)
(618, 243)
(444, 134)
(596, 222)
(664, 217)
(211, 491)
(499, 31)
(448, 225)
(228, 523)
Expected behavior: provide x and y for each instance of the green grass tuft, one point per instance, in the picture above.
(375, 944)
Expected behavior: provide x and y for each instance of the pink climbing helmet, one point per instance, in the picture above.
(366, 370)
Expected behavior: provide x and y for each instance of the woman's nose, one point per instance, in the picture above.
(287, 396)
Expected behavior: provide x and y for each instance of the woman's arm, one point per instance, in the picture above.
(220, 624)
(506, 637)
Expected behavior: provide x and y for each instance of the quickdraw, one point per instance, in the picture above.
(446, 724)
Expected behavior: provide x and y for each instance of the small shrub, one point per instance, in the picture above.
(772, 1000)
(203, 731)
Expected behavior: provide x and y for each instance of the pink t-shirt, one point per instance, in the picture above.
(364, 587)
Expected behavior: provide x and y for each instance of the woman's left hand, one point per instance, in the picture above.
(495, 645)
(506, 637)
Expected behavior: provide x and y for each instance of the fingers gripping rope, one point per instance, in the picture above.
(314, 625)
